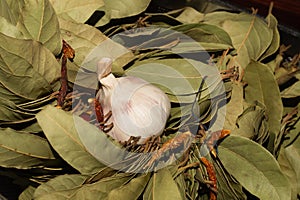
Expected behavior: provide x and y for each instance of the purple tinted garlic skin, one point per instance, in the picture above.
(138, 107)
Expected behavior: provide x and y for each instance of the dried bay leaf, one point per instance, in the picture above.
(77, 11)
(12, 159)
(118, 53)
(228, 187)
(131, 190)
(25, 143)
(38, 21)
(289, 161)
(102, 188)
(262, 87)
(10, 112)
(9, 29)
(60, 183)
(35, 78)
(27, 194)
(257, 169)
(162, 186)
(186, 38)
(115, 9)
(252, 123)
(272, 24)
(60, 130)
(190, 15)
(250, 35)
(235, 106)
(10, 10)
(180, 78)
(81, 37)
(291, 92)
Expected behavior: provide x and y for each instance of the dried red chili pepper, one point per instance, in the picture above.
(99, 113)
(67, 53)
(212, 178)
(213, 139)
(170, 144)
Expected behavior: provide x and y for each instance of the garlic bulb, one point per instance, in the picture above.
(138, 107)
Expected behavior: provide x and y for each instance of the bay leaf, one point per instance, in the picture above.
(64, 138)
(102, 188)
(250, 35)
(10, 10)
(27, 194)
(38, 21)
(12, 159)
(272, 24)
(235, 106)
(162, 186)
(60, 183)
(190, 15)
(131, 190)
(180, 78)
(108, 48)
(115, 9)
(81, 37)
(9, 29)
(262, 87)
(35, 78)
(228, 187)
(188, 38)
(288, 159)
(25, 143)
(254, 167)
(74, 10)
(252, 123)
(10, 112)
(291, 92)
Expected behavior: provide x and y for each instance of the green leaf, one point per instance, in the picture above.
(250, 35)
(38, 72)
(262, 87)
(115, 9)
(25, 143)
(162, 186)
(59, 184)
(61, 131)
(38, 21)
(272, 24)
(27, 194)
(255, 168)
(77, 11)
(131, 190)
(81, 37)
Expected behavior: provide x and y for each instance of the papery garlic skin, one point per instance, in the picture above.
(138, 107)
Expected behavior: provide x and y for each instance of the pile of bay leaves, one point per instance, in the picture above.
(39, 144)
